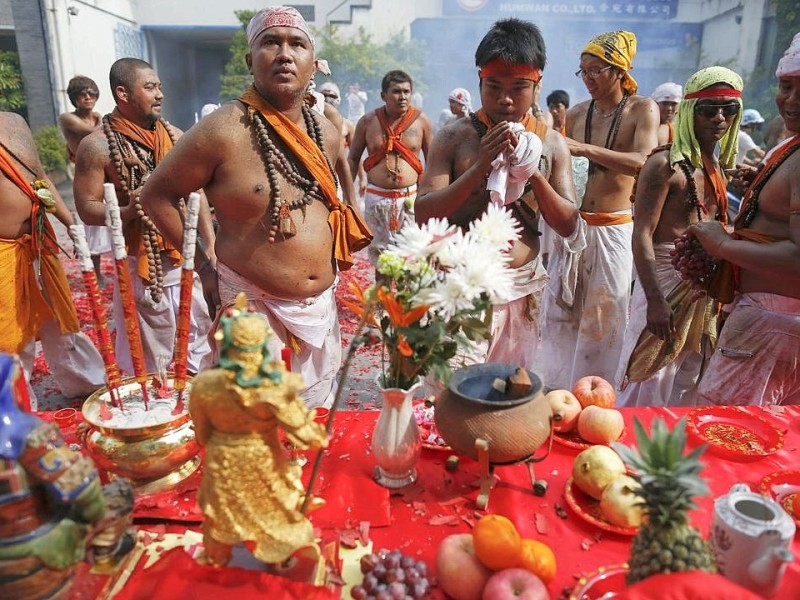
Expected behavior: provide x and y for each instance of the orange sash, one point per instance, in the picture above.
(393, 142)
(158, 141)
(726, 280)
(605, 219)
(350, 233)
(670, 132)
(720, 192)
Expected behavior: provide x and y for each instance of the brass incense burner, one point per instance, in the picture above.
(155, 456)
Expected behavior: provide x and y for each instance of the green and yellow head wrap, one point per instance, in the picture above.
(617, 48)
(684, 144)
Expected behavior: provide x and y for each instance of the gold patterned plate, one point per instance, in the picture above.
(606, 583)
(588, 509)
(733, 432)
(784, 488)
(572, 439)
(429, 435)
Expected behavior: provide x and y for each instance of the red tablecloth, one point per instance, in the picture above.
(416, 518)
(440, 503)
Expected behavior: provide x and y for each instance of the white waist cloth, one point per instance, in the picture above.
(757, 359)
(307, 320)
(313, 321)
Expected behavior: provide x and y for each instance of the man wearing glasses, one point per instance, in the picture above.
(756, 358)
(586, 302)
(75, 126)
(671, 334)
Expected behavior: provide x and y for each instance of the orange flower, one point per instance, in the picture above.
(397, 315)
(403, 347)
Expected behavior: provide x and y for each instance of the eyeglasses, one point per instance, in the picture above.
(591, 73)
(88, 92)
(709, 111)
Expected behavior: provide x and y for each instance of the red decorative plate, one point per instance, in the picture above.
(572, 439)
(783, 486)
(733, 432)
(606, 583)
(427, 428)
(588, 509)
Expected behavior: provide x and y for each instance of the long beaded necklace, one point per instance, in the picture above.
(133, 165)
(274, 160)
(613, 129)
(693, 198)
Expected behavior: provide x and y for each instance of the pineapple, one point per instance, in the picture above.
(669, 482)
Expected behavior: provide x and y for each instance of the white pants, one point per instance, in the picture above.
(158, 323)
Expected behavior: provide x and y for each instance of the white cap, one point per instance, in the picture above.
(208, 109)
(751, 116)
(667, 92)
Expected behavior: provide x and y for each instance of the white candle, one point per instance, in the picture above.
(190, 230)
(114, 221)
(78, 236)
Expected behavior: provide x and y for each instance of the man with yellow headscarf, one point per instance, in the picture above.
(757, 359)
(586, 303)
(671, 334)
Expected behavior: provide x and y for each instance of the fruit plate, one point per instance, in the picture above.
(783, 486)
(572, 439)
(428, 433)
(733, 432)
(588, 509)
(606, 583)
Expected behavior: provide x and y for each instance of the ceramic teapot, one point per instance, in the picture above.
(751, 536)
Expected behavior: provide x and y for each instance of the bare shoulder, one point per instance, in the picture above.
(93, 147)
(578, 110)
(554, 142)
(15, 130)
(455, 133)
(641, 105)
(423, 118)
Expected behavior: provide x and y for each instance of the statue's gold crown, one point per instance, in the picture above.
(245, 329)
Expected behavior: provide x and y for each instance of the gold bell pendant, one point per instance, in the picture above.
(286, 225)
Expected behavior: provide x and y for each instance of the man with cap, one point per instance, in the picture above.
(757, 356)
(460, 103)
(670, 335)
(393, 135)
(749, 153)
(467, 157)
(667, 95)
(586, 302)
(265, 161)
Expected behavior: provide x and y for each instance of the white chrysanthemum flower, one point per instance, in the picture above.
(454, 252)
(484, 273)
(445, 299)
(419, 242)
(496, 228)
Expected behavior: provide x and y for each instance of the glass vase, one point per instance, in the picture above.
(396, 440)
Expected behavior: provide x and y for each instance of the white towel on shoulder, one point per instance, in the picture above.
(512, 168)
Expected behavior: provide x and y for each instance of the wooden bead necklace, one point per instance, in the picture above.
(613, 129)
(133, 165)
(274, 160)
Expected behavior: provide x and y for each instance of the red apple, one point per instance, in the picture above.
(594, 390)
(459, 572)
(515, 584)
(600, 425)
(565, 404)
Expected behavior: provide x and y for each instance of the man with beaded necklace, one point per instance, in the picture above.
(671, 332)
(586, 302)
(131, 143)
(265, 162)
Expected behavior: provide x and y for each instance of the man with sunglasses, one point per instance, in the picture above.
(510, 58)
(76, 125)
(671, 334)
(757, 357)
(586, 302)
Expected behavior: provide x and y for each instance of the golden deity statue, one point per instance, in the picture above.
(251, 489)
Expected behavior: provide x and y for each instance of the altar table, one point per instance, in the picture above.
(416, 518)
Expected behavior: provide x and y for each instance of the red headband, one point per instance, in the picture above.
(500, 68)
(713, 93)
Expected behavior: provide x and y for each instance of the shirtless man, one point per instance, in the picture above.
(76, 125)
(670, 335)
(393, 136)
(557, 105)
(455, 181)
(586, 303)
(264, 162)
(667, 96)
(757, 356)
(36, 302)
(129, 147)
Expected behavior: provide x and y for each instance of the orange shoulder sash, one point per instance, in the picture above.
(393, 142)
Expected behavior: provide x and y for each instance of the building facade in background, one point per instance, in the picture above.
(187, 41)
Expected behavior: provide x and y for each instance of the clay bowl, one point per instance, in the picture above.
(514, 429)
(154, 451)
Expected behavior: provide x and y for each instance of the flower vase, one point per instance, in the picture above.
(396, 440)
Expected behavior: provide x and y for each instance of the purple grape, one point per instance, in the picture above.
(407, 561)
(383, 595)
(412, 576)
(422, 568)
(397, 591)
(380, 571)
(396, 574)
(358, 592)
(420, 589)
(368, 562)
(370, 582)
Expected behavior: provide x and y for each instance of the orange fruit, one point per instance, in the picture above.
(497, 542)
(539, 559)
(796, 505)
